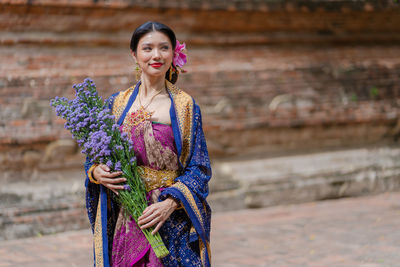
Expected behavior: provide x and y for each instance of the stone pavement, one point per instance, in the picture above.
(360, 231)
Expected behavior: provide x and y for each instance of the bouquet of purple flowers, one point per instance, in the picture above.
(92, 125)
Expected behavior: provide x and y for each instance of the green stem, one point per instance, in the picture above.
(135, 203)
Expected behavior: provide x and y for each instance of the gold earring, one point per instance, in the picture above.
(170, 72)
(138, 72)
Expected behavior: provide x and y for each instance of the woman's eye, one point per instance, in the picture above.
(165, 47)
(147, 48)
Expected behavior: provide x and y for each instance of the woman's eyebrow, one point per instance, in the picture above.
(162, 43)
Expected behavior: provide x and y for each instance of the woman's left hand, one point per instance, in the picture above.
(157, 214)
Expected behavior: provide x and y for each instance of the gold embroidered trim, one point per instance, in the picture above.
(98, 237)
(184, 113)
(154, 179)
(120, 102)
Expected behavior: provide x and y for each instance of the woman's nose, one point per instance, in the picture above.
(156, 53)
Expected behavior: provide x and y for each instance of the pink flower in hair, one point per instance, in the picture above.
(179, 57)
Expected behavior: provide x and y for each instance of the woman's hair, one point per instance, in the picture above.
(152, 26)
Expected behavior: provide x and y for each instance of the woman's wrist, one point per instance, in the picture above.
(91, 174)
(172, 203)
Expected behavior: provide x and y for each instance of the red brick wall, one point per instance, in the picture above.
(296, 79)
(243, 5)
(80, 22)
(284, 88)
(271, 78)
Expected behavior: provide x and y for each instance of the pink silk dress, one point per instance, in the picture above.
(154, 146)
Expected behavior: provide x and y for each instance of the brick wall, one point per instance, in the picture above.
(243, 5)
(70, 23)
(271, 78)
(298, 76)
(276, 88)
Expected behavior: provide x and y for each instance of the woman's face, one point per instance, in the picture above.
(154, 54)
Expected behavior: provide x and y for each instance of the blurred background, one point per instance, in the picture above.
(300, 99)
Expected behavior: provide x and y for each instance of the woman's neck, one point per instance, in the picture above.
(151, 85)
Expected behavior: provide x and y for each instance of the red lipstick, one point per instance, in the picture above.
(156, 65)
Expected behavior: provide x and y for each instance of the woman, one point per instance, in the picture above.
(165, 126)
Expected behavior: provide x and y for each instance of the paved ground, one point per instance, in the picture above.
(346, 232)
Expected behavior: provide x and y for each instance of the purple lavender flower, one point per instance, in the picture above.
(109, 164)
(99, 144)
(117, 166)
(119, 147)
(124, 136)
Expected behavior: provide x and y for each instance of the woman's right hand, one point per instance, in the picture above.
(103, 175)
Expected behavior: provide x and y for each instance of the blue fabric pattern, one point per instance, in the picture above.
(195, 178)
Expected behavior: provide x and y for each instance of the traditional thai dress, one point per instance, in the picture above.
(177, 152)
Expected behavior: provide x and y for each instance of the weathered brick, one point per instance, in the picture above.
(270, 76)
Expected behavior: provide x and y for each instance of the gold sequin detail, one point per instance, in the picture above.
(120, 102)
(188, 195)
(134, 119)
(154, 179)
(98, 237)
(184, 113)
(203, 250)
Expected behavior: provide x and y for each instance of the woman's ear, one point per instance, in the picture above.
(133, 55)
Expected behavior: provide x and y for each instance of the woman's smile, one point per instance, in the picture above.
(156, 65)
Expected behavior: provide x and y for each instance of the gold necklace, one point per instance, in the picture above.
(139, 115)
(151, 99)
